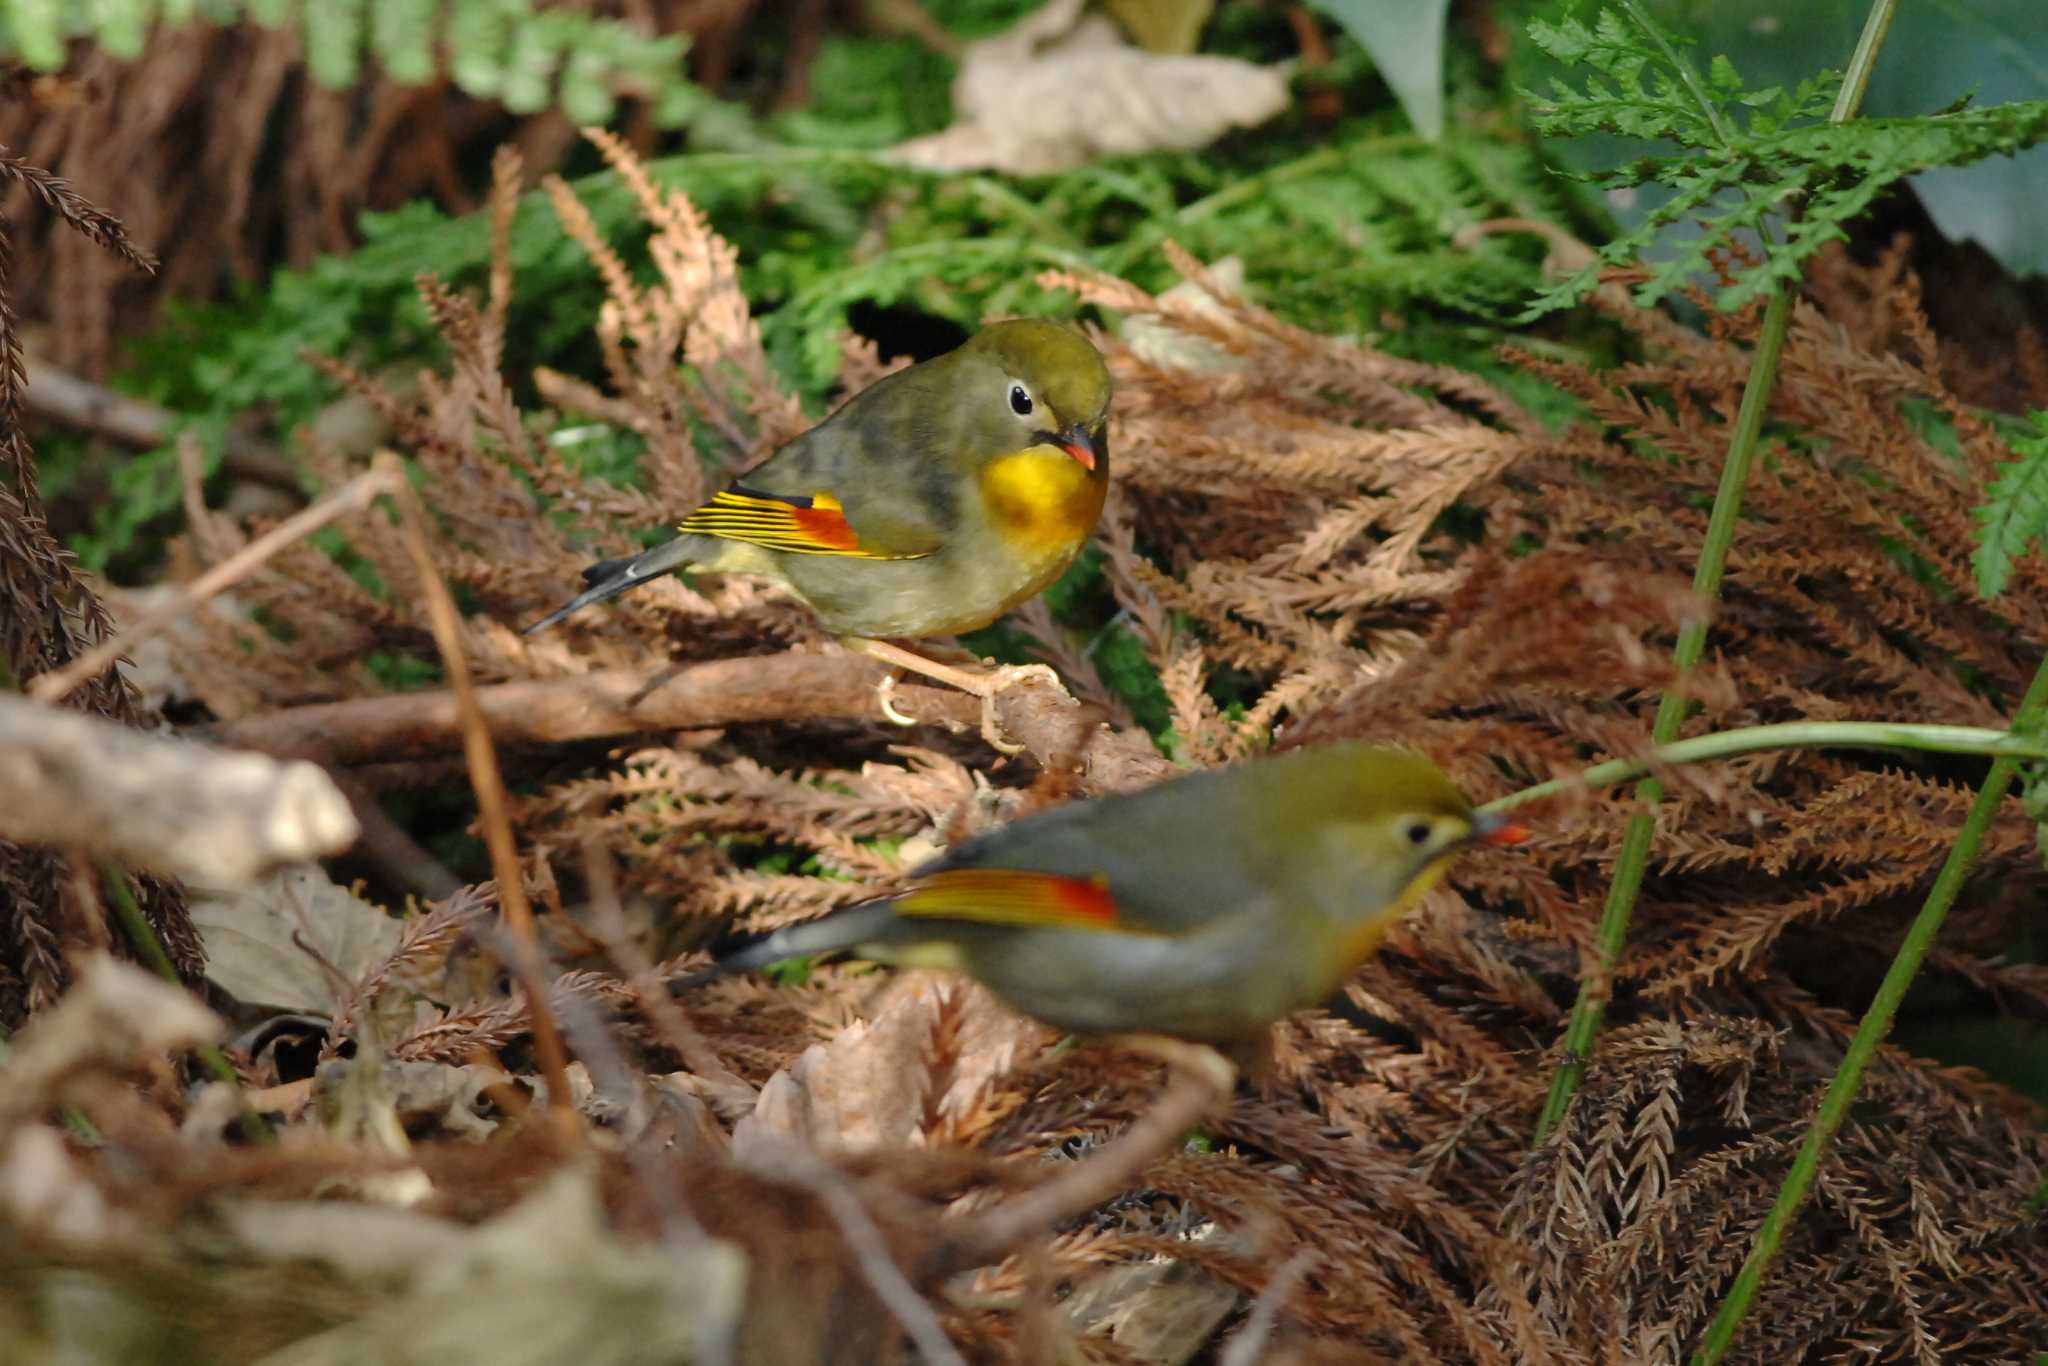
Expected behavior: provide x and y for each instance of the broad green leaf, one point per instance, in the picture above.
(1405, 39)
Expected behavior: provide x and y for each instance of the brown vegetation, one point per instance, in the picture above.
(1280, 514)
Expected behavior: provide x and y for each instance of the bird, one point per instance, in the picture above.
(931, 503)
(1202, 909)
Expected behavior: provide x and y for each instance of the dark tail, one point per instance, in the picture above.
(866, 923)
(609, 578)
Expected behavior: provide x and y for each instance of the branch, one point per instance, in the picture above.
(176, 807)
(63, 397)
(1060, 733)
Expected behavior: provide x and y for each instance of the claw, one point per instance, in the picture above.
(883, 691)
(993, 686)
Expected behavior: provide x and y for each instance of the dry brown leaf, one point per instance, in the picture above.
(864, 1089)
(547, 1281)
(254, 937)
(1058, 89)
(922, 1069)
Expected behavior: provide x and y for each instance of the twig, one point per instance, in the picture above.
(392, 848)
(608, 923)
(63, 397)
(489, 786)
(1248, 1342)
(598, 705)
(779, 1160)
(353, 496)
(1202, 1080)
(611, 1072)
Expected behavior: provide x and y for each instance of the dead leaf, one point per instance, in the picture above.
(1056, 90)
(548, 1282)
(1161, 1311)
(1156, 338)
(250, 953)
(933, 1052)
(359, 1239)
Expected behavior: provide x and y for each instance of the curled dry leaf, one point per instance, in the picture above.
(220, 816)
(1051, 92)
(927, 1062)
(265, 945)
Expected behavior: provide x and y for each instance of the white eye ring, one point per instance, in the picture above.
(1020, 400)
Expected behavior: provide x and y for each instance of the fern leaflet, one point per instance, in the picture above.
(2015, 515)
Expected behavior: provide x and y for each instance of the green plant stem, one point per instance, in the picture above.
(1863, 61)
(1870, 1032)
(1633, 859)
(142, 936)
(1726, 744)
(1686, 75)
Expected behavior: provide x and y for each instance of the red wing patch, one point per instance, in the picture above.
(815, 525)
(1007, 896)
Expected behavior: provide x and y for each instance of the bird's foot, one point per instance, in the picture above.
(987, 685)
(994, 684)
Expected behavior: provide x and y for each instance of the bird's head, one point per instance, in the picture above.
(1397, 821)
(1031, 382)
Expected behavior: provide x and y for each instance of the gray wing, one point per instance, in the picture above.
(1175, 856)
(895, 494)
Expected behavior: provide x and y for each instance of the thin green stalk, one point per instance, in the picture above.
(1634, 858)
(1870, 1032)
(1727, 744)
(1686, 75)
(142, 936)
(1632, 861)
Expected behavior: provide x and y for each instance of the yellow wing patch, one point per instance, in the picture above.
(1008, 896)
(815, 525)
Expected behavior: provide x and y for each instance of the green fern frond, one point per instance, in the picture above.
(512, 51)
(1747, 156)
(2015, 515)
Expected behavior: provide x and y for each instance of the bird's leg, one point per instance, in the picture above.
(986, 685)
(1199, 1063)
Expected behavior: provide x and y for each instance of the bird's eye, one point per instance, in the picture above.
(1419, 833)
(1020, 400)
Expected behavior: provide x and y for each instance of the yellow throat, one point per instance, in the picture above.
(1041, 501)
